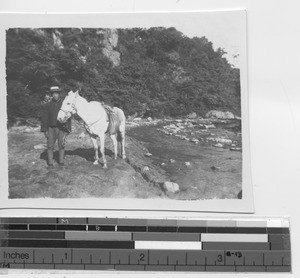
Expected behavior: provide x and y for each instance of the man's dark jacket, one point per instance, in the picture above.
(49, 115)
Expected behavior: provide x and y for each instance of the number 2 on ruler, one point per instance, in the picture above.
(142, 257)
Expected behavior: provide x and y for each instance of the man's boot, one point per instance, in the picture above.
(61, 158)
(50, 159)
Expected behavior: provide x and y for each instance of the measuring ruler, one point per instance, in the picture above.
(235, 245)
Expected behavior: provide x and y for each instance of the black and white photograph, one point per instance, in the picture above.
(127, 111)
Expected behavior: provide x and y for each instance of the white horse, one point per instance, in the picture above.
(96, 122)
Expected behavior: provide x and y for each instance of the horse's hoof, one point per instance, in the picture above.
(96, 162)
(105, 166)
(124, 156)
(115, 157)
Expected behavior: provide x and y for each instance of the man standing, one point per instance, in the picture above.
(53, 129)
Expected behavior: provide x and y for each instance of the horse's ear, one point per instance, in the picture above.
(77, 92)
(70, 93)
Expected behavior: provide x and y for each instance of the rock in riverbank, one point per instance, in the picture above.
(171, 187)
(220, 115)
(199, 130)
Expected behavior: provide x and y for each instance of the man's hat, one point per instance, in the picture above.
(54, 89)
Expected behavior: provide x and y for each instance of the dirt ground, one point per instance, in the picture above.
(213, 173)
(30, 178)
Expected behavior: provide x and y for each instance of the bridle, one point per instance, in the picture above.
(74, 111)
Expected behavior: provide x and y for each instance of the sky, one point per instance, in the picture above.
(224, 29)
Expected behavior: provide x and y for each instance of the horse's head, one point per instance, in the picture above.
(68, 107)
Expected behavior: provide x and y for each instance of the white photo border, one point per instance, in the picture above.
(123, 20)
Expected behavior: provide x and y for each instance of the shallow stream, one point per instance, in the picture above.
(199, 169)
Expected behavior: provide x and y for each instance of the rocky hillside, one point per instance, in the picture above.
(147, 72)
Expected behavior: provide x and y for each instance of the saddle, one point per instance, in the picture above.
(113, 120)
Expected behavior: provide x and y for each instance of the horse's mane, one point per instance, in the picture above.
(82, 98)
(85, 100)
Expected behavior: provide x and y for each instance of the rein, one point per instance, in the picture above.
(89, 125)
(74, 108)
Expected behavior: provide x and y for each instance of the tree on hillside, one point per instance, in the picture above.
(160, 70)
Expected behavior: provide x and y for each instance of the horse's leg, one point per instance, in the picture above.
(122, 134)
(102, 138)
(123, 145)
(121, 139)
(114, 139)
(95, 144)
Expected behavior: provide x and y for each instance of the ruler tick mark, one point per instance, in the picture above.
(148, 253)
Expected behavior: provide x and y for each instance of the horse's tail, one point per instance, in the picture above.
(121, 125)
